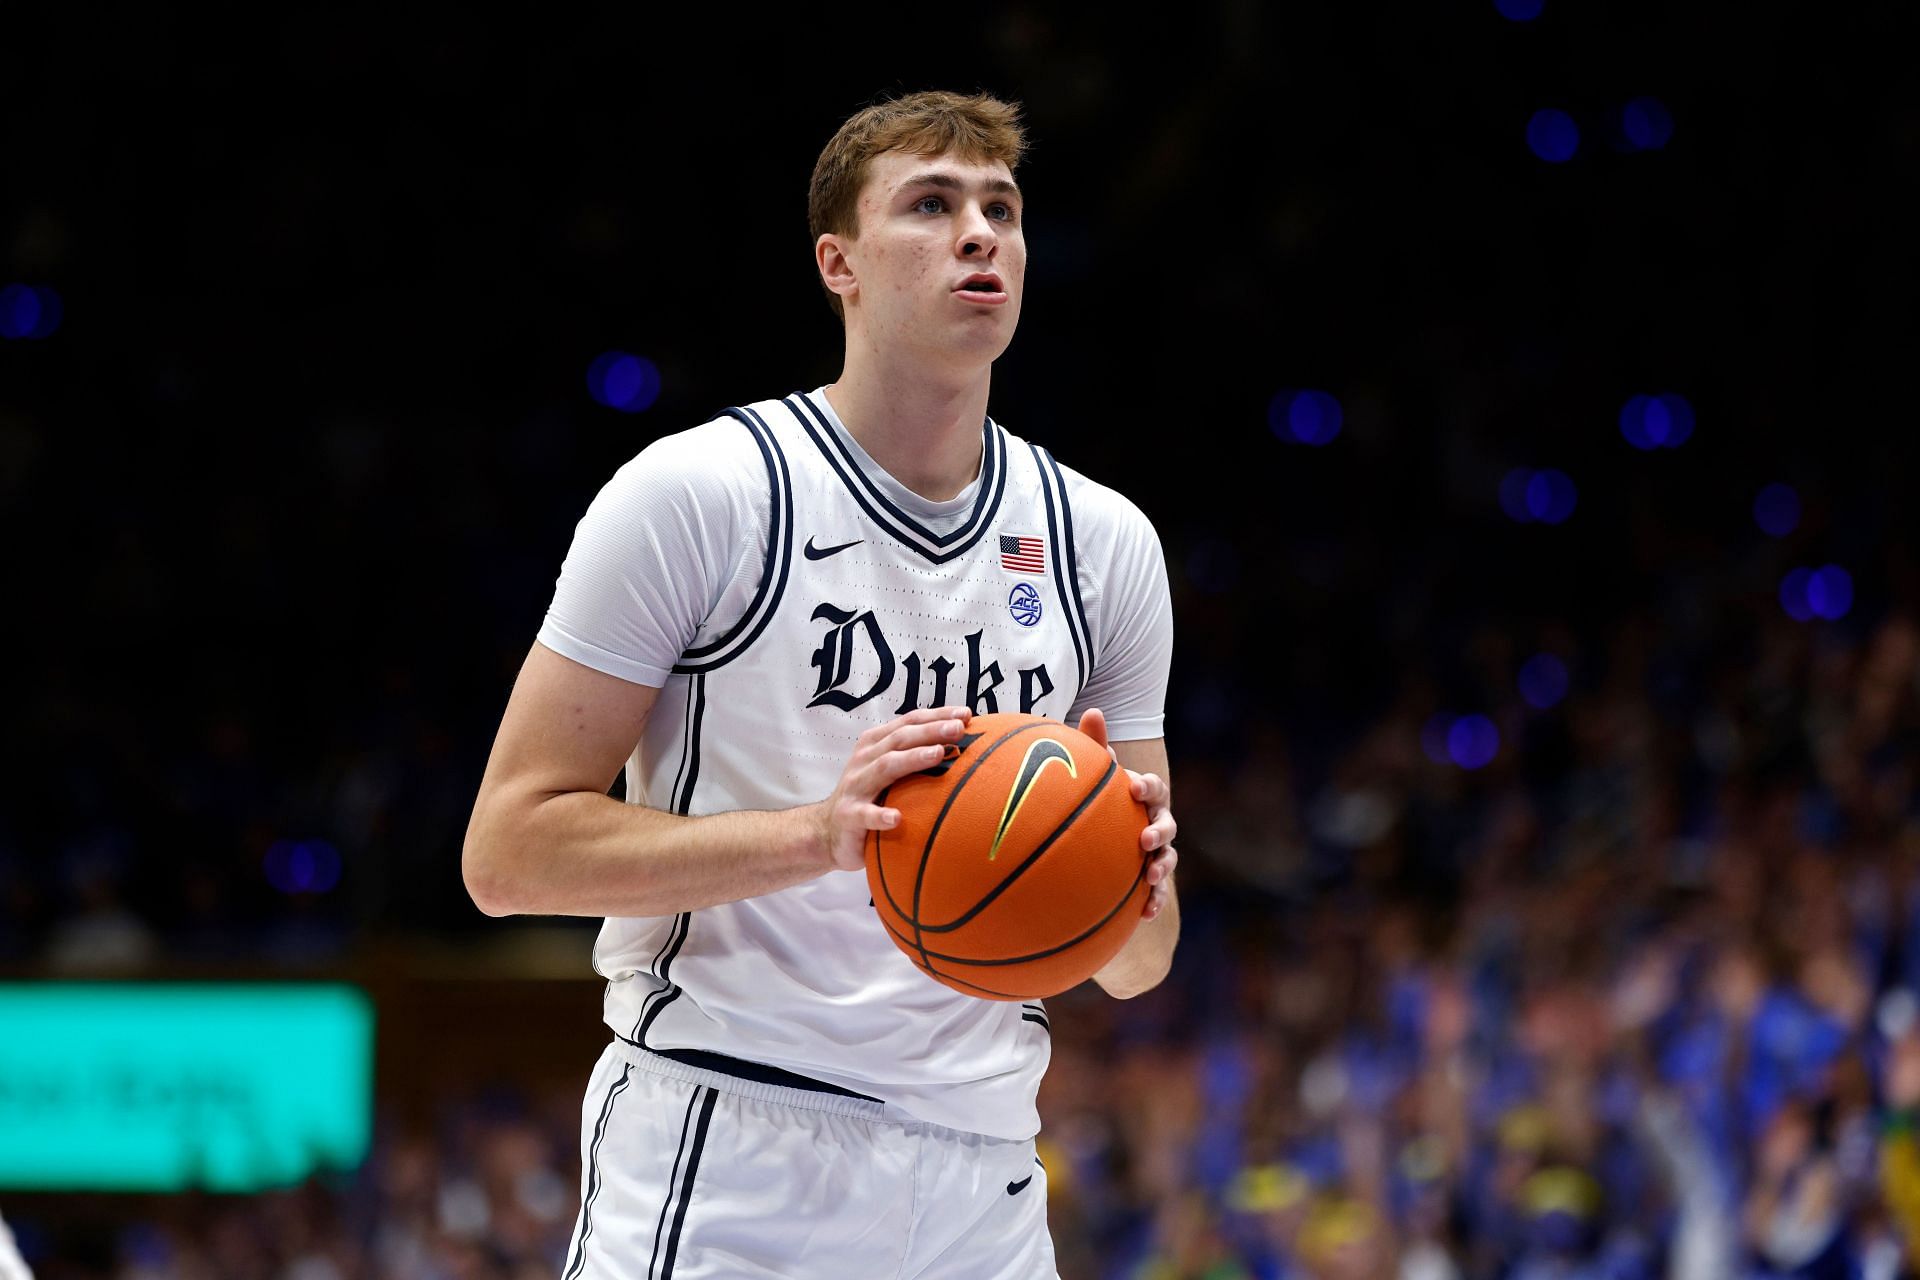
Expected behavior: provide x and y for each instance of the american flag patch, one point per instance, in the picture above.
(1023, 555)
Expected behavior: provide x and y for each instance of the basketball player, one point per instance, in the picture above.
(787, 609)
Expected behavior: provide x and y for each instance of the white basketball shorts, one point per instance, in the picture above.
(689, 1173)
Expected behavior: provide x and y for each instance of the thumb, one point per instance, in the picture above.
(1093, 723)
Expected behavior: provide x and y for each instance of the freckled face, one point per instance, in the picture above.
(940, 259)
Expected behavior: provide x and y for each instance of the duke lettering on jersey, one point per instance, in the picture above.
(852, 635)
(894, 609)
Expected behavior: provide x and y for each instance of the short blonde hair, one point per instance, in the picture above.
(976, 127)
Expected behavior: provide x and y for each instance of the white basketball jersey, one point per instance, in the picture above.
(860, 614)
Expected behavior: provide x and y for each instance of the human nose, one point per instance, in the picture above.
(977, 239)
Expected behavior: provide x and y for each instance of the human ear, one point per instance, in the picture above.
(836, 269)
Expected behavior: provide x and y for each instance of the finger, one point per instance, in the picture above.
(1156, 902)
(879, 732)
(875, 817)
(1161, 868)
(1093, 723)
(922, 733)
(893, 766)
(1149, 789)
(1159, 833)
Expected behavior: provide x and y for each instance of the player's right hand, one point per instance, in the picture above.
(886, 753)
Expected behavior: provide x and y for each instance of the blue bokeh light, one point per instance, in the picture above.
(1793, 595)
(1513, 495)
(1552, 135)
(1664, 421)
(1830, 592)
(1670, 419)
(623, 381)
(1551, 496)
(1633, 423)
(28, 311)
(1315, 416)
(1776, 509)
(1520, 10)
(1543, 681)
(1647, 123)
(1305, 416)
(1473, 742)
(302, 866)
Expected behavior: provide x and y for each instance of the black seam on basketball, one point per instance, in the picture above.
(879, 860)
(934, 973)
(920, 877)
(1031, 858)
(1050, 951)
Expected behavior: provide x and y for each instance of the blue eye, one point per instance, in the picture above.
(924, 201)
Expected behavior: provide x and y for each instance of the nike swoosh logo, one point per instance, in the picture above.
(1015, 1188)
(821, 553)
(1042, 753)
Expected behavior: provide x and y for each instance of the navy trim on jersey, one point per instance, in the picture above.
(679, 1154)
(697, 692)
(773, 578)
(1029, 1013)
(686, 1186)
(909, 532)
(593, 1173)
(992, 461)
(1073, 555)
(755, 1072)
(658, 1000)
(1066, 563)
(686, 751)
(681, 802)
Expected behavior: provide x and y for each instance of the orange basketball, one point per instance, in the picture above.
(1016, 870)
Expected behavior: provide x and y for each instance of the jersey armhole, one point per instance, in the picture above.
(773, 576)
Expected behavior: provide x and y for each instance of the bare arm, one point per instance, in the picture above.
(546, 839)
(1143, 963)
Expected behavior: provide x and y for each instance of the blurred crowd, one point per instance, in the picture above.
(1636, 999)
(489, 1193)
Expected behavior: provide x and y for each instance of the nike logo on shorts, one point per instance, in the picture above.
(821, 553)
(1015, 1188)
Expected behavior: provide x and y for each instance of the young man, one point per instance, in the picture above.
(787, 609)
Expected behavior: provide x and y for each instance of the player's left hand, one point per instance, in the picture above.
(1151, 790)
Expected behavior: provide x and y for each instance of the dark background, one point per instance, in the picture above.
(283, 498)
(285, 495)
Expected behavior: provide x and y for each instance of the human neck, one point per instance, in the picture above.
(923, 430)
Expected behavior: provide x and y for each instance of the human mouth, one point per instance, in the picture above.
(982, 289)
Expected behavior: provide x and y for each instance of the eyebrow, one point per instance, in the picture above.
(946, 181)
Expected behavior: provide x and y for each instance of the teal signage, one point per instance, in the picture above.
(137, 1087)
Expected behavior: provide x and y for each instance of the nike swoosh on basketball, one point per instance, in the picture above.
(821, 553)
(1015, 1188)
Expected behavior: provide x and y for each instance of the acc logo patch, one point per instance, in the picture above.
(1023, 602)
